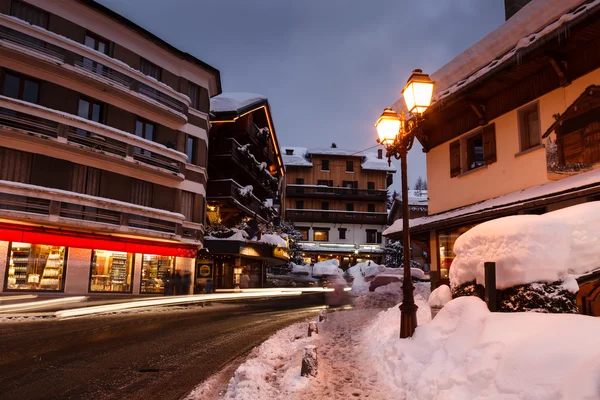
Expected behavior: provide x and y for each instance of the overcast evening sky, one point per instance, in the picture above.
(328, 67)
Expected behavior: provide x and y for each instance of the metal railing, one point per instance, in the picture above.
(229, 189)
(342, 193)
(90, 66)
(28, 123)
(97, 142)
(335, 216)
(12, 202)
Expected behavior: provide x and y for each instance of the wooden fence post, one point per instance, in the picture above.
(309, 361)
(490, 285)
(312, 327)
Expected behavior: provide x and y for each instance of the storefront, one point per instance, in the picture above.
(45, 260)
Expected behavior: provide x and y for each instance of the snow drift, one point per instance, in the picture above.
(530, 248)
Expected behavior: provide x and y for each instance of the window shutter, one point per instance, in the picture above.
(455, 158)
(489, 144)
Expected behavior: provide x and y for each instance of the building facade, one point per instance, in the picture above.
(337, 199)
(514, 127)
(246, 173)
(103, 152)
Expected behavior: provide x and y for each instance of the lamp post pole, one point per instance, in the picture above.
(397, 134)
(408, 308)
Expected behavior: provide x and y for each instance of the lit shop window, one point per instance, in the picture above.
(111, 271)
(154, 271)
(446, 240)
(35, 267)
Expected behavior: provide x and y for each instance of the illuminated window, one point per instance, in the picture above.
(321, 235)
(156, 273)
(36, 267)
(304, 232)
(111, 271)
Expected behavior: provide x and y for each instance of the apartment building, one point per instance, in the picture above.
(337, 199)
(514, 129)
(103, 151)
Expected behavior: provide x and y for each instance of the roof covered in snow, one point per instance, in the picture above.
(581, 181)
(301, 157)
(533, 22)
(415, 198)
(236, 102)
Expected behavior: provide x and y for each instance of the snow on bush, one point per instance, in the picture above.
(440, 296)
(466, 352)
(530, 248)
(273, 239)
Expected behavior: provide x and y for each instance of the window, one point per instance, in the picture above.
(191, 149)
(100, 45)
(90, 109)
(371, 208)
(300, 204)
(324, 205)
(446, 240)
(325, 182)
(379, 237)
(299, 181)
(342, 233)
(325, 165)
(321, 235)
(371, 185)
(371, 236)
(21, 87)
(156, 274)
(304, 233)
(349, 207)
(36, 267)
(111, 271)
(199, 97)
(145, 130)
(475, 151)
(150, 69)
(529, 126)
(349, 166)
(29, 13)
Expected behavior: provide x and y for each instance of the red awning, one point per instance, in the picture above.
(54, 237)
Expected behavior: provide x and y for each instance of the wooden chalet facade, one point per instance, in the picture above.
(245, 171)
(514, 128)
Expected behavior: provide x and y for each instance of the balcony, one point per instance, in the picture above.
(19, 118)
(88, 64)
(228, 150)
(73, 210)
(335, 216)
(228, 190)
(335, 193)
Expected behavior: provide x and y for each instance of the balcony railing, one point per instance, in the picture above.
(335, 216)
(73, 209)
(341, 193)
(25, 118)
(228, 150)
(37, 43)
(228, 189)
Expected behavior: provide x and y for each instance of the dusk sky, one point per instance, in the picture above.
(328, 67)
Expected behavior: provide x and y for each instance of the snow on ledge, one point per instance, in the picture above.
(232, 102)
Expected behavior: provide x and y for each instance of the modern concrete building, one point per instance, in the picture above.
(514, 129)
(103, 151)
(337, 199)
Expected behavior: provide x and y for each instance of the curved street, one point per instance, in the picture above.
(162, 353)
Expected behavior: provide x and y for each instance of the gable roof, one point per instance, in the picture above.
(301, 157)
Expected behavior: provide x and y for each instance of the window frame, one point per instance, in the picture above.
(22, 79)
(320, 230)
(470, 150)
(349, 163)
(524, 132)
(90, 113)
(325, 163)
(63, 278)
(371, 208)
(371, 234)
(106, 291)
(300, 205)
(342, 233)
(349, 207)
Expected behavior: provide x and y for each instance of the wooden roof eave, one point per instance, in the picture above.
(589, 91)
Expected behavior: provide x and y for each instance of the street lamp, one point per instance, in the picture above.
(396, 134)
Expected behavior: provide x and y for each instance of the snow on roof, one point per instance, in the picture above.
(232, 102)
(298, 158)
(415, 198)
(534, 21)
(301, 156)
(547, 189)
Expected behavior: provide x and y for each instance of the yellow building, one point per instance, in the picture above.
(514, 127)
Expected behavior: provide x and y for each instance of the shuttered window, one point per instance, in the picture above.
(15, 166)
(29, 13)
(455, 158)
(141, 193)
(489, 144)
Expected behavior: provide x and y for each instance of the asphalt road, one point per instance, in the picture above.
(149, 355)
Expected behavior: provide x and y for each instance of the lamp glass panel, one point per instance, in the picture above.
(387, 129)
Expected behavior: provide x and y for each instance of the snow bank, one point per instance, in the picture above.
(391, 295)
(329, 267)
(466, 352)
(530, 248)
(440, 296)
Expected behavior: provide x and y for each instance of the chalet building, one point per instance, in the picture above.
(514, 128)
(103, 151)
(337, 199)
(246, 170)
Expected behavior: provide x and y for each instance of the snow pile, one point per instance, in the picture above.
(233, 102)
(329, 267)
(273, 239)
(359, 272)
(530, 248)
(391, 295)
(466, 352)
(440, 296)
(246, 191)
